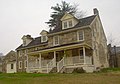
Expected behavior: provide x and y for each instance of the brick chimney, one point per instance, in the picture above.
(96, 12)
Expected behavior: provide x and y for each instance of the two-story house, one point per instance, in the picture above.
(75, 43)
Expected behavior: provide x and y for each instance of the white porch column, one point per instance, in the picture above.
(55, 58)
(84, 55)
(40, 64)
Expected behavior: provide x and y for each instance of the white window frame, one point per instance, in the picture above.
(20, 62)
(25, 63)
(54, 40)
(45, 38)
(68, 26)
(78, 35)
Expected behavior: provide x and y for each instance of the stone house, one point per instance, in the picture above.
(9, 62)
(75, 43)
(114, 56)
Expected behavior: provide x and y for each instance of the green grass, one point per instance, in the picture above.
(91, 78)
(110, 69)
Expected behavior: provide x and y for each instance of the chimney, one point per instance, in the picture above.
(96, 12)
(26, 39)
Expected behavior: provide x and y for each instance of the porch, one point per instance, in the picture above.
(45, 62)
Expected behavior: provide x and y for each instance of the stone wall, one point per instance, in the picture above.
(99, 44)
(71, 37)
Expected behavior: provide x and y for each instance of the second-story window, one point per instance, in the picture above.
(43, 38)
(56, 40)
(80, 35)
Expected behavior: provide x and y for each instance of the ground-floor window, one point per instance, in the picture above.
(12, 66)
(25, 63)
(20, 64)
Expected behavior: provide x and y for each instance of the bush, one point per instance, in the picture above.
(79, 70)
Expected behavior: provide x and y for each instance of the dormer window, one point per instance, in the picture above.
(70, 23)
(65, 24)
(43, 38)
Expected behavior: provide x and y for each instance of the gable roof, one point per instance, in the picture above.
(82, 22)
(34, 42)
(67, 15)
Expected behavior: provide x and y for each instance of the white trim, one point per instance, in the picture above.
(19, 64)
(78, 35)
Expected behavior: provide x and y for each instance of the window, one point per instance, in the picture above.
(65, 24)
(56, 40)
(12, 66)
(80, 35)
(20, 64)
(25, 63)
(81, 54)
(70, 23)
(43, 38)
(24, 42)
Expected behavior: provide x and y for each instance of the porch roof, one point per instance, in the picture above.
(62, 47)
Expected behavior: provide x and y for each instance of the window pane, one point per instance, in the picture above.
(44, 38)
(81, 35)
(56, 40)
(65, 24)
(70, 23)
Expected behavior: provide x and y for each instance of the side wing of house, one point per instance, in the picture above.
(100, 52)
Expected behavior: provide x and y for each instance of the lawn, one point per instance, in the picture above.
(84, 78)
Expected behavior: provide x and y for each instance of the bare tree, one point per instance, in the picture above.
(112, 40)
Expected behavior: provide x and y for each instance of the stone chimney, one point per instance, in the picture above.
(96, 12)
(26, 39)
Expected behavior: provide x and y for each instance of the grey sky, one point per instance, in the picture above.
(21, 17)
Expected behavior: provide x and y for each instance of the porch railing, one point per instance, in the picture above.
(60, 64)
(70, 61)
(73, 60)
(44, 63)
(51, 65)
(33, 64)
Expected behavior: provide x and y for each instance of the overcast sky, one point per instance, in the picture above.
(21, 17)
